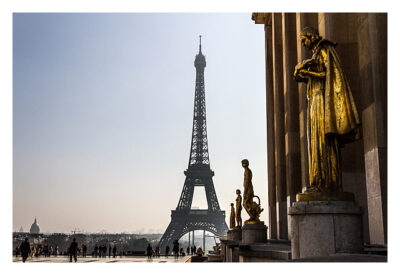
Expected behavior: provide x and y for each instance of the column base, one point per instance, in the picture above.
(323, 228)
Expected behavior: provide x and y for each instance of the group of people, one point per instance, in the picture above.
(178, 251)
(150, 252)
(101, 251)
(25, 250)
(35, 250)
(193, 250)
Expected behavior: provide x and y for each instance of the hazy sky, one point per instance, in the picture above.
(103, 109)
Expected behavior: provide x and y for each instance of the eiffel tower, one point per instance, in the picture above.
(184, 219)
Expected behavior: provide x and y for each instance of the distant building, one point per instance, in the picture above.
(35, 228)
(21, 229)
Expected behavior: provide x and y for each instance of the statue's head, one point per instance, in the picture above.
(238, 191)
(245, 163)
(309, 37)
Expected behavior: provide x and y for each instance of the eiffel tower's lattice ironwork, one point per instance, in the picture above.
(184, 219)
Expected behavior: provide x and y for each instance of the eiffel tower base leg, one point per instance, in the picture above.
(183, 222)
(254, 233)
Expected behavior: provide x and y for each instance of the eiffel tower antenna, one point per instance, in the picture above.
(183, 218)
(200, 44)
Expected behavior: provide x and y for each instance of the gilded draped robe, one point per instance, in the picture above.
(332, 118)
(248, 192)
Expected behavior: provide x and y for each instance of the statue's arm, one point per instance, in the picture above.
(313, 74)
(323, 62)
(299, 76)
(305, 63)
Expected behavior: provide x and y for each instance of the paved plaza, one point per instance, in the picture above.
(137, 259)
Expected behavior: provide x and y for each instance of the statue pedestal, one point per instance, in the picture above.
(322, 228)
(235, 234)
(254, 233)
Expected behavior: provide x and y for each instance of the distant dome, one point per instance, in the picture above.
(35, 228)
(21, 229)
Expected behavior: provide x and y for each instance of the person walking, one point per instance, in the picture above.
(149, 251)
(84, 249)
(17, 251)
(25, 249)
(96, 250)
(73, 250)
(45, 250)
(157, 251)
(167, 250)
(188, 250)
(175, 249)
(109, 250)
(114, 250)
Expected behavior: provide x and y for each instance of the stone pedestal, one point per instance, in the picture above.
(323, 228)
(235, 234)
(254, 233)
(228, 251)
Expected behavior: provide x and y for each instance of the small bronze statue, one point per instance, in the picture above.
(238, 209)
(252, 208)
(332, 117)
(232, 219)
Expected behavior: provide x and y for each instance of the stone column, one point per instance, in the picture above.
(343, 29)
(204, 242)
(291, 102)
(372, 47)
(270, 128)
(303, 20)
(279, 125)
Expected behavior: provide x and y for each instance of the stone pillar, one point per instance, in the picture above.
(204, 242)
(291, 102)
(270, 129)
(303, 20)
(372, 47)
(343, 29)
(279, 125)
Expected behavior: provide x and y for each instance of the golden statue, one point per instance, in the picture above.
(238, 209)
(232, 219)
(252, 208)
(332, 117)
